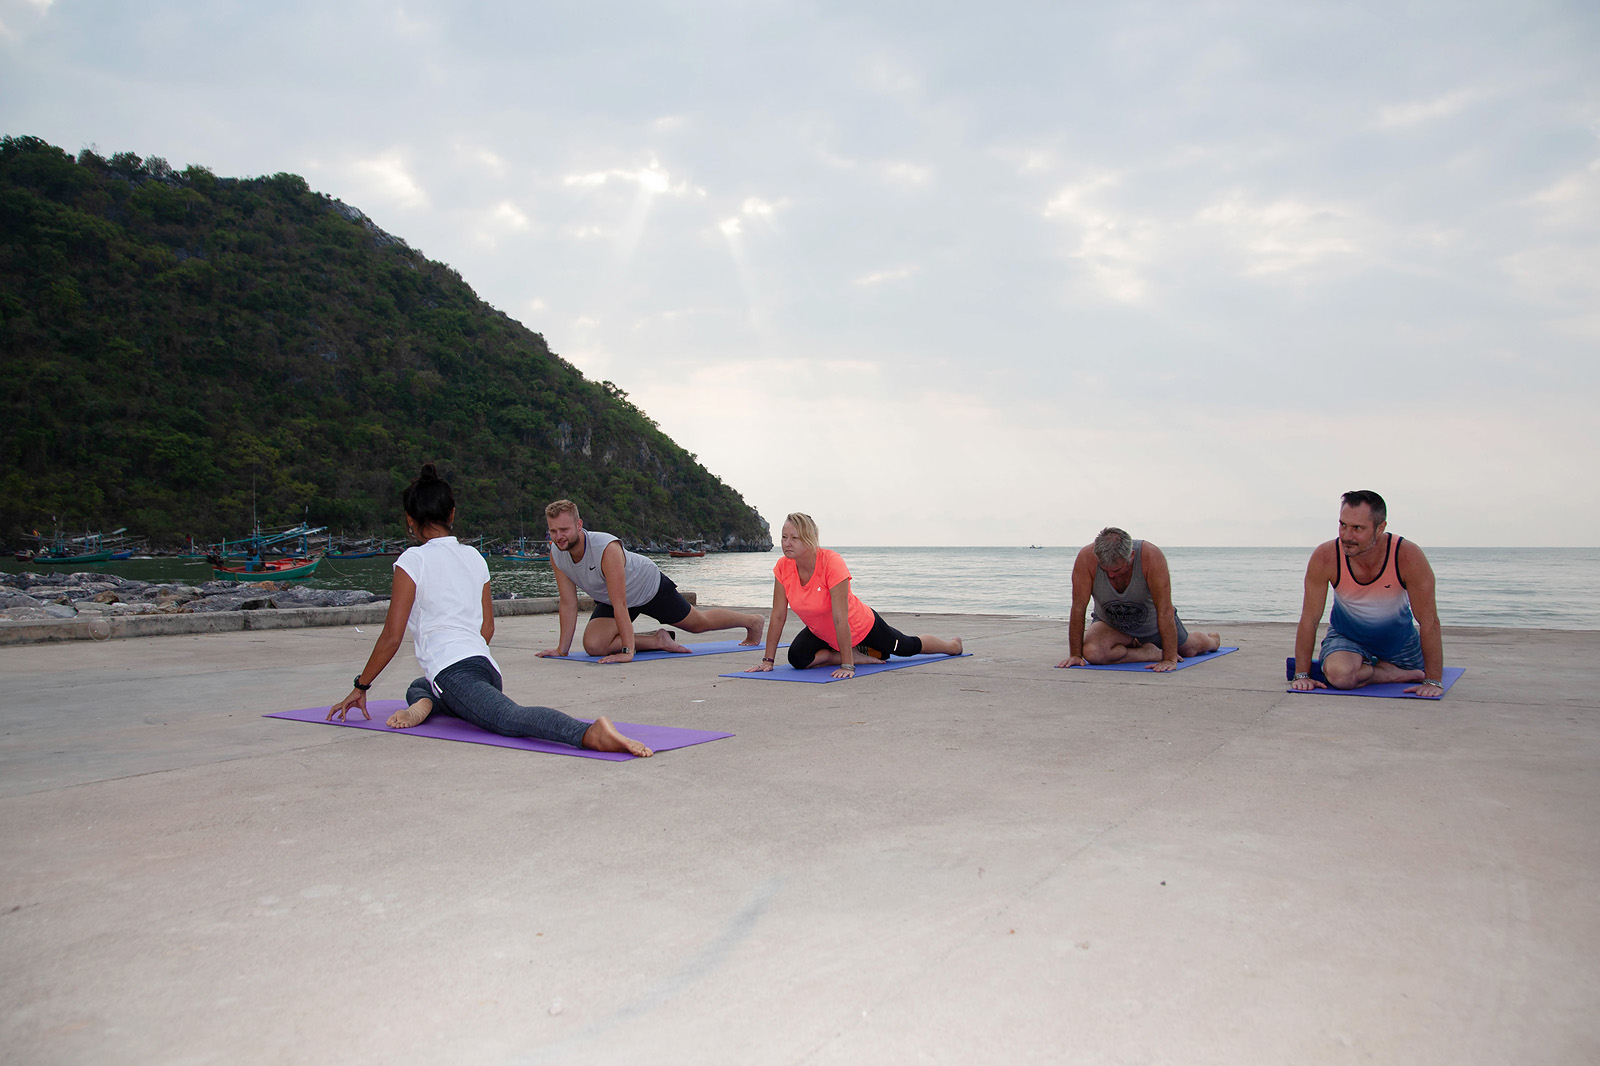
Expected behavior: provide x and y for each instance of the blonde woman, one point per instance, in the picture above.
(816, 583)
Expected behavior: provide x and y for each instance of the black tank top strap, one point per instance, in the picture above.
(1398, 576)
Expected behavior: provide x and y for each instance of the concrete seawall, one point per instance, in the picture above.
(981, 860)
(108, 627)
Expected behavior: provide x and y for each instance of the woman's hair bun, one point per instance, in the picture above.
(429, 473)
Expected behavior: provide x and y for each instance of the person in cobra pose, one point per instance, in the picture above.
(1134, 620)
(1383, 590)
(441, 593)
(839, 626)
(598, 564)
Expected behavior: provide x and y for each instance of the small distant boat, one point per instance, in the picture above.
(680, 553)
(522, 553)
(267, 570)
(53, 559)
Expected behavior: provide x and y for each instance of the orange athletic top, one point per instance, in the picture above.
(813, 601)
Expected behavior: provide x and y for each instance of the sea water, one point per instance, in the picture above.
(1538, 588)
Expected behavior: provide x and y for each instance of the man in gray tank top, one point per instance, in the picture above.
(1134, 620)
(616, 578)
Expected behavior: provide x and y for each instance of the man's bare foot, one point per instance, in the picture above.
(669, 642)
(603, 736)
(752, 634)
(415, 714)
(1387, 673)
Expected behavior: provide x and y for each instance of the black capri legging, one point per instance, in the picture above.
(883, 638)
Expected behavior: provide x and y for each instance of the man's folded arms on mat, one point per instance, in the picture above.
(611, 575)
(817, 583)
(441, 591)
(1134, 620)
(1383, 590)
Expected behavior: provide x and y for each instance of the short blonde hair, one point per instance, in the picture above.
(561, 507)
(805, 526)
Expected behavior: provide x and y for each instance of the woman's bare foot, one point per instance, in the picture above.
(752, 633)
(955, 643)
(603, 736)
(415, 714)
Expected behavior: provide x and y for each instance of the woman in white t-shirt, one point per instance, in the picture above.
(441, 593)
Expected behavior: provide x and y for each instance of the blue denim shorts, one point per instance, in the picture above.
(1407, 657)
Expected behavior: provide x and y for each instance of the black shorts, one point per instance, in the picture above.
(667, 606)
(882, 638)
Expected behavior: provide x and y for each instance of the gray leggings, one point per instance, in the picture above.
(470, 690)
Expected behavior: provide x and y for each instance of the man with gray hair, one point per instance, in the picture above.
(1134, 620)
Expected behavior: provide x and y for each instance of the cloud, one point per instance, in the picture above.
(387, 178)
(1114, 247)
(899, 172)
(1417, 112)
(881, 276)
(1282, 236)
(503, 219)
(650, 179)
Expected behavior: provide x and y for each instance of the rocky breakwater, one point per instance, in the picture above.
(33, 597)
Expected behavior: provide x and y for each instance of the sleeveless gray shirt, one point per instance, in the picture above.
(641, 577)
(1131, 611)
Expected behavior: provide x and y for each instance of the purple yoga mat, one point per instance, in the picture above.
(710, 647)
(1395, 690)
(822, 675)
(1192, 660)
(448, 727)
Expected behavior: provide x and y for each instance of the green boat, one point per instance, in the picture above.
(62, 560)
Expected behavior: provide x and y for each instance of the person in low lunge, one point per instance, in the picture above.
(441, 592)
(839, 627)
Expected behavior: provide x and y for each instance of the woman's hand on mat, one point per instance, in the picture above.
(552, 653)
(357, 698)
(759, 668)
(1306, 684)
(1071, 661)
(619, 657)
(1165, 665)
(842, 673)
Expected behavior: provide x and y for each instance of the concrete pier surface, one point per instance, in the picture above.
(983, 860)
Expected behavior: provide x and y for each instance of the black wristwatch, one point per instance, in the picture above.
(359, 685)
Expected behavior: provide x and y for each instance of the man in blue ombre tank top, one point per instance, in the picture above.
(1382, 592)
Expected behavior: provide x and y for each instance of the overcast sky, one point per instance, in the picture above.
(995, 273)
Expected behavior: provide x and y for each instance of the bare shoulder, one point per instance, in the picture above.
(1152, 557)
(1410, 556)
(1324, 559)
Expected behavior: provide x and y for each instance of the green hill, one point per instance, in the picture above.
(170, 337)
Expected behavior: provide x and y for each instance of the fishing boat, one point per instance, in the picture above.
(680, 553)
(65, 551)
(522, 553)
(264, 570)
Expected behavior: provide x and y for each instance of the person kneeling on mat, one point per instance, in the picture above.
(817, 583)
(614, 577)
(441, 592)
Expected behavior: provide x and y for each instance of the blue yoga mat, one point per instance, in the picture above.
(710, 647)
(1392, 691)
(821, 675)
(1188, 661)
